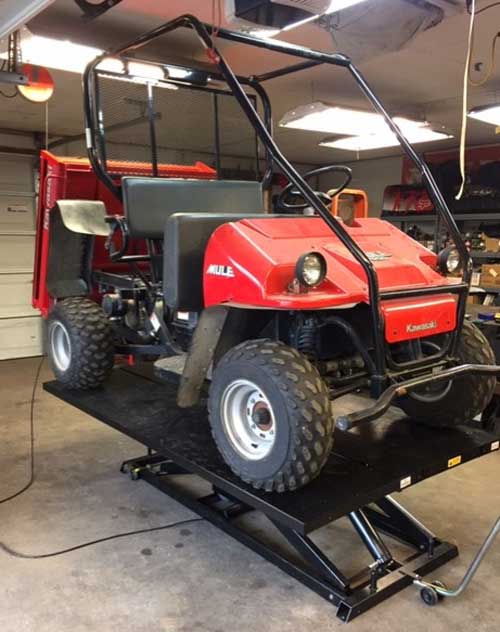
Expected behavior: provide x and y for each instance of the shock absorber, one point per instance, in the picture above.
(305, 340)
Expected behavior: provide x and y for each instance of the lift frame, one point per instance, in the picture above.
(365, 468)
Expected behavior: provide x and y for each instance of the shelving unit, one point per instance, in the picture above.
(420, 217)
(479, 218)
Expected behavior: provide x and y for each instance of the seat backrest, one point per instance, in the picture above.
(149, 202)
(186, 238)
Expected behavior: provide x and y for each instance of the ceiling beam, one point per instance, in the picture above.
(16, 13)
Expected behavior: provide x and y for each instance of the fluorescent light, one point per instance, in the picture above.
(178, 73)
(487, 114)
(361, 130)
(380, 140)
(111, 64)
(58, 54)
(320, 117)
(338, 5)
(146, 71)
(65, 55)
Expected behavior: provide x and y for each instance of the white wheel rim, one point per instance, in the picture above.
(60, 345)
(248, 420)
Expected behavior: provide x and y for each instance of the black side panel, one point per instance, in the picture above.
(70, 255)
(186, 238)
(149, 202)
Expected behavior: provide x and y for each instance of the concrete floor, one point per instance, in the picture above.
(192, 578)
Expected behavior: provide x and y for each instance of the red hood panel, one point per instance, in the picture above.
(251, 262)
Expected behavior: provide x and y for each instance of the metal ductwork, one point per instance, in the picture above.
(272, 16)
(377, 27)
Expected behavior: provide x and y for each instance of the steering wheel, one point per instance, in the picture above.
(326, 198)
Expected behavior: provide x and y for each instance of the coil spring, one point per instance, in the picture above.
(306, 339)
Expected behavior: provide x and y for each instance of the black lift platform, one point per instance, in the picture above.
(365, 467)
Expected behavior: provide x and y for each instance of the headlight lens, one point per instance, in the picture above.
(449, 260)
(311, 269)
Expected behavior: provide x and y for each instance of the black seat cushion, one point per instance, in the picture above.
(149, 202)
(186, 238)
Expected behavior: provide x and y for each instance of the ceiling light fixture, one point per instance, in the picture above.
(360, 129)
(146, 71)
(70, 57)
(487, 114)
(57, 54)
(423, 134)
(332, 119)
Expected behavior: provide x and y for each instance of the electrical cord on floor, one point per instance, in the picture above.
(31, 479)
(26, 556)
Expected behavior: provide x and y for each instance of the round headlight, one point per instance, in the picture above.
(311, 269)
(449, 260)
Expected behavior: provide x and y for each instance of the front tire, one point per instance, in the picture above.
(80, 343)
(463, 398)
(270, 415)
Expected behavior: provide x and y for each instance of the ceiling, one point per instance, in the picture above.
(424, 79)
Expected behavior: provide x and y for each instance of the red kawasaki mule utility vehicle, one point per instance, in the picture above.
(283, 312)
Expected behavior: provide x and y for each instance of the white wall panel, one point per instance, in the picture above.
(372, 176)
(20, 337)
(16, 253)
(15, 295)
(17, 212)
(20, 325)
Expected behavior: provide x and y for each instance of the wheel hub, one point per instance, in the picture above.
(60, 345)
(261, 416)
(248, 419)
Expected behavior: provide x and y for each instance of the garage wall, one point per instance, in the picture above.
(370, 175)
(170, 156)
(373, 176)
(20, 324)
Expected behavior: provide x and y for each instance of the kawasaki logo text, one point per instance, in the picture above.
(411, 329)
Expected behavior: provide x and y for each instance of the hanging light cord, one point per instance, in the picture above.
(463, 132)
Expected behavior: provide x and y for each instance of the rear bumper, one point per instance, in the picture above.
(383, 403)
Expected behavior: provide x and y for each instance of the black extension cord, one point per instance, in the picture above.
(40, 556)
(31, 479)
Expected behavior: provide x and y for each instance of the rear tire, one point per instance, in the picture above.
(80, 343)
(465, 397)
(270, 415)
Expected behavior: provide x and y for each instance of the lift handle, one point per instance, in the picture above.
(445, 592)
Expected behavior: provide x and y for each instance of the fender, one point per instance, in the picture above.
(87, 217)
(220, 328)
(201, 354)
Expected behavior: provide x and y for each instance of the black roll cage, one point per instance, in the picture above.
(263, 128)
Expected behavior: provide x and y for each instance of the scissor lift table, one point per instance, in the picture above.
(364, 469)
